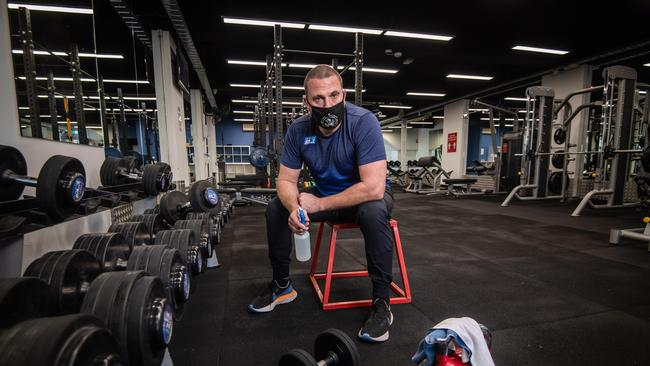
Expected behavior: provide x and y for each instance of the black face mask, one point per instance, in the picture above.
(328, 118)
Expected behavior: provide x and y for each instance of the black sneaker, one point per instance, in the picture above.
(376, 327)
(272, 296)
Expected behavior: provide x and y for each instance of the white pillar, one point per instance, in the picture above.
(169, 102)
(402, 146)
(199, 136)
(564, 83)
(454, 135)
(423, 142)
(212, 145)
(8, 103)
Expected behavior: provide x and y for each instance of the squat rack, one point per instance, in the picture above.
(270, 101)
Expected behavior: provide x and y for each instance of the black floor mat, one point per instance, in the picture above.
(549, 286)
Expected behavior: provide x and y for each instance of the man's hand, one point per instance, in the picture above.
(295, 224)
(310, 203)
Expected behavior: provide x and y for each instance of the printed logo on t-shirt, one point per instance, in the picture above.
(310, 140)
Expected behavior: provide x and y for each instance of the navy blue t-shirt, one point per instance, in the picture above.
(334, 160)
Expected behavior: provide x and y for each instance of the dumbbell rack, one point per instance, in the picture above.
(17, 251)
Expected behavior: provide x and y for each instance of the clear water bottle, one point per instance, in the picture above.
(303, 247)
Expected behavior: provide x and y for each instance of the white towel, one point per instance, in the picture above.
(470, 332)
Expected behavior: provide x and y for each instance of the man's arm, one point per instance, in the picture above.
(287, 187)
(371, 187)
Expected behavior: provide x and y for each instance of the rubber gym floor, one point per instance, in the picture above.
(548, 285)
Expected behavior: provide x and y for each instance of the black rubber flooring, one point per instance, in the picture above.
(548, 285)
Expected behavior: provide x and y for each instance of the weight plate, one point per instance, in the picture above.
(555, 182)
(152, 221)
(68, 273)
(60, 186)
(24, 298)
(171, 206)
(297, 357)
(202, 235)
(11, 160)
(150, 320)
(156, 178)
(109, 298)
(109, 172)
(176, 280)
(558, 160)
(559, 136)
(203, 196)
(64, 340)
(259, 157)
(109, 248)
(335, 340)
(134, 233)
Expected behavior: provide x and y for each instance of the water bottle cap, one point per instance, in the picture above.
(302, 215)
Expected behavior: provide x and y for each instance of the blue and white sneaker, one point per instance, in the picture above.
(272, 296)
(376, 327)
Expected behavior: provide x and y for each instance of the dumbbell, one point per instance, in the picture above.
(183, 240)
(202, 235)
(157, 260)
(109, 248)
(135, 308)
(134, 233)
(166, 263)
(152, 221)
(69, 274)
(59, 341)
(23, 299)
(60, 185)
(175, 205)
(331, 348)
(212, 221)
(155, 178)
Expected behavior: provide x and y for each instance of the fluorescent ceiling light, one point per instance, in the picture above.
(422, 122)
(540, 50)
(233, 85)
(81, 54)
(23, 107)
(251, 63)
(497, 119)
(418, 35)
(126, 81)
(470, 77)
(264, 23)
(244, 112)
(478, 109)
(333, 28)
(42, 115)
(372, 69)
(394, 106)
(384, 131)
(522, 111)
(57, 9)
(438, 117)
(643, 92)
(302, 66)
(57, 78)
(396, 127)
(648, 64)
(244, 120)
(254, 101)
(516, 98)
(418, 94)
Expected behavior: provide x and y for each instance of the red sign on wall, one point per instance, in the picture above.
(452, 139)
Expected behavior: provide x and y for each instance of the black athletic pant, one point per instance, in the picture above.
(372, 217)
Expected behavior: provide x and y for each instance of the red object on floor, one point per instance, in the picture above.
(452, 360)
(404, 295)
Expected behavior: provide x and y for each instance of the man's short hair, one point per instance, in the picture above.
(322, 71)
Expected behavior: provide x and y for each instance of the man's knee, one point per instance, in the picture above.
(372, 212)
